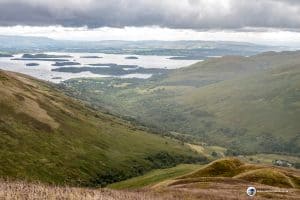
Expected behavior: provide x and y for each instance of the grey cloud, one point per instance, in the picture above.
(293, 2)
(194, 14)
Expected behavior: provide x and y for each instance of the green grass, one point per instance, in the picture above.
(249, 105)
(49, 137)
(155, 176)
(219, 168)
(262, 108)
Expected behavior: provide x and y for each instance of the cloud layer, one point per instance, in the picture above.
(193, 14)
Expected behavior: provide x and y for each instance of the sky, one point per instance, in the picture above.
(258, 21)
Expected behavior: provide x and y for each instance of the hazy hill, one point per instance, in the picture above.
(228, 67)
(259, 113)
(182, 49)
(47, 136)
(249, 104)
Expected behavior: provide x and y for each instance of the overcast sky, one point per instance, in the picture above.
(250, 20)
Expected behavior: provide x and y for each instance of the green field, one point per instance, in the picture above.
(46, 136)
(248, 105)
(155, 176)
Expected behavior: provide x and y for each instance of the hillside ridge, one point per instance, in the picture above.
(47, 136)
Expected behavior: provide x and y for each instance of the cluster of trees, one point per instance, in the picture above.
(273, 144)
(165, 160)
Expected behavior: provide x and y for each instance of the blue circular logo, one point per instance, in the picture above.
(251, 191)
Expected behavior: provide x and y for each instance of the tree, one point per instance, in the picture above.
(214, 154)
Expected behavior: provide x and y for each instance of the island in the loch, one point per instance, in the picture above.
(131, 57)
(42, 59)
(112, 69)
(32, 64)
(5, 55)
(57, 78)
(42, 55)
(91, 57)
(65, 63)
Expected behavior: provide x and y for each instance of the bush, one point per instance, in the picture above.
(230, 152)
(214, 154)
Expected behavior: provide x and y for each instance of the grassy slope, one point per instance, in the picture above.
(264, 107)
(249, 104)
(47, 136)
(155, 176)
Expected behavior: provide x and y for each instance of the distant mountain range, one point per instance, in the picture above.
(177, 49)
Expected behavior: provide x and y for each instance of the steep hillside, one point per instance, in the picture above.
(47, 136)
(262, 110)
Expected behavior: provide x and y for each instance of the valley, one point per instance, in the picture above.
(149, 100)
(118, 126)
(49, 137)
(249, 105)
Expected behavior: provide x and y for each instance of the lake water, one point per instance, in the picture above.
(43, 71)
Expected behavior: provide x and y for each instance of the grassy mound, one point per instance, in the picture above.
(235, 170)
(267, 176)
(224, 167)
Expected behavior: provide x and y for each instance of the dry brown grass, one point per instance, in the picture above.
(28, 191)
(22, 190)
(225, 189)
(209, 190)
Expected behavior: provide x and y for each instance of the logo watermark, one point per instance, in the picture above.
(252, 191)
